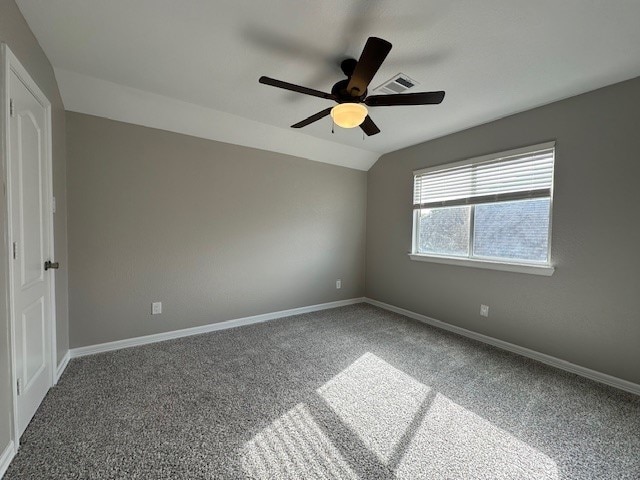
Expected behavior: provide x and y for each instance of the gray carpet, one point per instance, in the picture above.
(355, 392)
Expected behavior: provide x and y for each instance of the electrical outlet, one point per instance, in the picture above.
(484, 310)
(156, 308)
(338, 284)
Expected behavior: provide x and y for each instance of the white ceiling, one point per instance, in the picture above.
(168, 57)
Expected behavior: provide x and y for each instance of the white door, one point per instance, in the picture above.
(29, 220)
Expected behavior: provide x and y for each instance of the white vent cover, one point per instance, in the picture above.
(398, 84)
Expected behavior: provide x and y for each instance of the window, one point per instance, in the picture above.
(492, 211)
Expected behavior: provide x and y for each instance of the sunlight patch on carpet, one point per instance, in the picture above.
(294, 447)
(453, 442)
(376, 401)
(413, 431)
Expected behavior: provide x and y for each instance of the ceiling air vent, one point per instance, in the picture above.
(398, 84)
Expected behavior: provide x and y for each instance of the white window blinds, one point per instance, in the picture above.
(506, 177)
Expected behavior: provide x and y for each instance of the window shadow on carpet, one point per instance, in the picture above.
(375, 421)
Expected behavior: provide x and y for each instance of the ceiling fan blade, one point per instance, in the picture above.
(312, 118)
(295, 88)
(419, 98)
(369, 127)
(373, 54)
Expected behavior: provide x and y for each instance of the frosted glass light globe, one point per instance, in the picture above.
(349, 115)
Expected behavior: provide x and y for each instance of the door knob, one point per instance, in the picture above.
(48, 264)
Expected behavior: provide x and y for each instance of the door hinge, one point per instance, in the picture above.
(15, 248)
(19, 387)
(11, 108)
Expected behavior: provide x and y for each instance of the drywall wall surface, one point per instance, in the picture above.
(15, 32)
(213, 231)
(587, 312)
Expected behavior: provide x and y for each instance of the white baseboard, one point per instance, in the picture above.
(6, 457)
(212, 327)
(525, 352)
(62, 365)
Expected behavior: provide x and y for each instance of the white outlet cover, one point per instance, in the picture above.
(338, 284)
(156, 308)
(484, 310)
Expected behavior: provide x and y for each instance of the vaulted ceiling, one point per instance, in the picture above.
(192, 66)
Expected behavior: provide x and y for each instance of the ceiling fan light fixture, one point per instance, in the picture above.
(349, 115)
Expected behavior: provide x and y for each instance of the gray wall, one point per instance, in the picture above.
(15, 32)
(214, 231)
(588, 312)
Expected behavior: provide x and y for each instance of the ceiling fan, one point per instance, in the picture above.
(351, 93)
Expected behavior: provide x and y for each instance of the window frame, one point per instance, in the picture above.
(536, 268)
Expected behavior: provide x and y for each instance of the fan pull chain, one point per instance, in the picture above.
(333, 125)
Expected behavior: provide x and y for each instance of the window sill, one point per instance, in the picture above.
(467, 262)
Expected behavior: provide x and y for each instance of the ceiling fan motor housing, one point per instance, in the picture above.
(343, 96)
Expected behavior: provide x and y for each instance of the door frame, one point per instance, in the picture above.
(10, 63)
